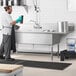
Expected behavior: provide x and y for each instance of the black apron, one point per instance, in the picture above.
(13, 41)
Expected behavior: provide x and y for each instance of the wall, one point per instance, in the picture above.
(51, 11)
(56, 10)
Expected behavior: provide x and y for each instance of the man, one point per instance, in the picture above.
(7, 23)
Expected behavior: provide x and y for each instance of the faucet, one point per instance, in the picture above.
(37, 25)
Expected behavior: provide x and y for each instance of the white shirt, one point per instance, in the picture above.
(6, 19)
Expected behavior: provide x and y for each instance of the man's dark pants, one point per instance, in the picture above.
(5, 47)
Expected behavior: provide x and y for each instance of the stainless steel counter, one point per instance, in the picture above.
(40, 32)
(39, 38)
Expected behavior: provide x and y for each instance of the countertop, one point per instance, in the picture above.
(8, 68)
(41, 32)
(38, 32)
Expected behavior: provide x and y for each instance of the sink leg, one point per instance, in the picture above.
(58, 51)
(52, 52)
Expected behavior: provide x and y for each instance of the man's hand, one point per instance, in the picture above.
(19, 19)
(13, 23)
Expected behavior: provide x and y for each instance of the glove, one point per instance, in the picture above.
(19, 19)
(16, 27)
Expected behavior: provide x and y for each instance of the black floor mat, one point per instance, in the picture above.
(38, 64)
(11, 61)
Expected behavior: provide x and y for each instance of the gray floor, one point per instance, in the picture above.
(29, 71)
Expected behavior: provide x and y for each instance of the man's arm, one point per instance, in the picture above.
(18, 20)
(13, 23)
